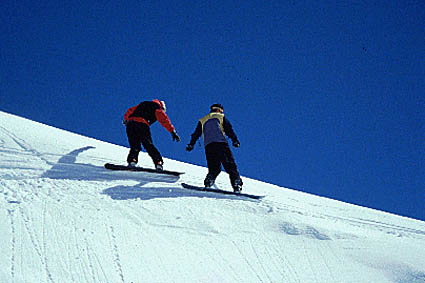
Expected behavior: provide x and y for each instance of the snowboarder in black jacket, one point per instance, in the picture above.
(215, 127)
(138, 120)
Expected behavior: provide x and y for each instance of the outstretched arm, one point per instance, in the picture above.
(164, 120)
(196, 134)
(228, 130)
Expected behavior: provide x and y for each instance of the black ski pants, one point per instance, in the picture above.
(219, 153)
(140, 133)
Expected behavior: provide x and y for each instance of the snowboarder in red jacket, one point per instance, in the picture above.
(215, 127)
(138, 120)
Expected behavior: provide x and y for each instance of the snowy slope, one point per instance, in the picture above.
(64, 218)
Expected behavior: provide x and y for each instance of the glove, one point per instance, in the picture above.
(124, 122)
(175, 136)
(189, 147)
(236, 143)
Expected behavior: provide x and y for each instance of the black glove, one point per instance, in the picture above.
(175, 136)
(189, 147)
(236, 143)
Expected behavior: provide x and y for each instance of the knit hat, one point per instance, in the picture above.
(215, 106)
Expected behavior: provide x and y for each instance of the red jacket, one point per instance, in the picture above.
(148, 112)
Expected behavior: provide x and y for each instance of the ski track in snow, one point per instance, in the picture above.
(70, 220)
(115, 252)
(12, 244)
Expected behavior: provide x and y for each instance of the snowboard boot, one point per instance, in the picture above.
(237, 186)
(209, 181)
(132, 157)
(132, 163)
(159, 166)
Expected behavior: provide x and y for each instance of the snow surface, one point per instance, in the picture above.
(64, 218)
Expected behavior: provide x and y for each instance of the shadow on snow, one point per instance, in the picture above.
(67, 168)
(146, 193)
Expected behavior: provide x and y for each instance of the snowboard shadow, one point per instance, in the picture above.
(147, 193)
(67, 168)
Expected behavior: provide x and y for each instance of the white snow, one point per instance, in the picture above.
(64, 218)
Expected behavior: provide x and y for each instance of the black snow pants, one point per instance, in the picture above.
(219, 153)
(140, 133)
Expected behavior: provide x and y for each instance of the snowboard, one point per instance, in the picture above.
(116, 167)
(205, 189)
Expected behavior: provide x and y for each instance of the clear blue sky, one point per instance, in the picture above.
(326, 97)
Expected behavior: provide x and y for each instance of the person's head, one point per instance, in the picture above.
(217, 108)
(161, 103)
